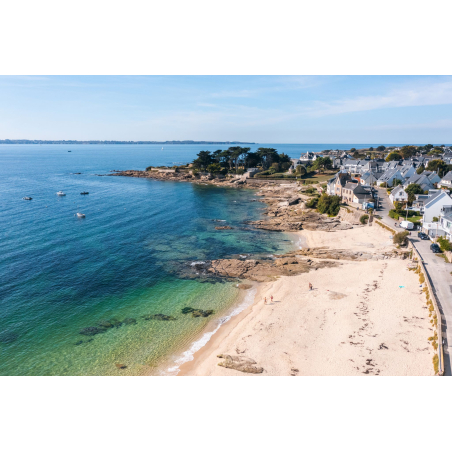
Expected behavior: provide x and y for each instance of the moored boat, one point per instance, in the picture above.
(84, 193)
(80, 215)
(27, 198)
(60, 193)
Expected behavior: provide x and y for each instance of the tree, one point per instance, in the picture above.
(214, 168)
(322, 163)
(396, 182)
(371, 149)
(439, 166)
(421, 169)
(267, 156)
(204, 159)
(329, 204)
(237, 152)
(412, 190)
(381, 148)
(408, 151)
(252, 159)
(301, 170)
(393, 156)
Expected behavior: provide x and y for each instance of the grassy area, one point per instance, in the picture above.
(314, 178)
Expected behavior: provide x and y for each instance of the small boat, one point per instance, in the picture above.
(80, 215)
(84, 193)
(69, 151)
(60, 193)
(27, 198)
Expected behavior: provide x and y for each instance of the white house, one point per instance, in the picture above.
(436, 206)
(389, 176)
(398, 194)
(446, 181)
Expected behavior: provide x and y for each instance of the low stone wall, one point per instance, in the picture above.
(448, 254)
(432, 296)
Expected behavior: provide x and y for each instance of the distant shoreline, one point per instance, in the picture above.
(118, 142)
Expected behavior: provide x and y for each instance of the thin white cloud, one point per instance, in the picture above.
(421, 94)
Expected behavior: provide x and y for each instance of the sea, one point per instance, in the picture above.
(125, 262)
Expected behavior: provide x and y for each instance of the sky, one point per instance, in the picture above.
(265, 109)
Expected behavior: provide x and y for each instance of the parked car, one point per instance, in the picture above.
(422, 235)
(435, 248)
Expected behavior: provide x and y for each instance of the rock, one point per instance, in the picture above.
(8, 338)
(110, 323)
(159, 317)
(198, 312)
(120, 366)
(240, 363)
(92, 331)
(129, 321)
(244, 286)
(293, 201)
(79, 343)
(223, 227)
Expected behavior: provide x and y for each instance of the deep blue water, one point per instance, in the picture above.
(59, 274)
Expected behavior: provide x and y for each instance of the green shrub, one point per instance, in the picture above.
(149, 168)
(401, 238)
(436, 363)
(363, 219)
(435, 219)
(444, 244)
(329, 204)
(312, 203)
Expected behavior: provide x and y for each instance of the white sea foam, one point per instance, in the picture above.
(197, 345)
(197, 263)
(242, 256)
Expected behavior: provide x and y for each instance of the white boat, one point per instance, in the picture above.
(80, 215)
(27, 198)
(60, 193)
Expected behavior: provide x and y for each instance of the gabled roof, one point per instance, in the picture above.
(436, 197)
(448, 176)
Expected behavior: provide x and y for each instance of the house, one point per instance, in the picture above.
(398, 194)
(446, 181)
(426, 180)
(389, 176)
(354, 192)
(436, 206)
(369, 178)
(445, 224)
(337, 185)
(307, 157)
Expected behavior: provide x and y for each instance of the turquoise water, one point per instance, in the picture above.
(60, 274)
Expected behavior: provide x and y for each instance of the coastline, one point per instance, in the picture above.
(323, 338)
(358, 329)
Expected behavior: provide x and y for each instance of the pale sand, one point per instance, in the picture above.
(356, 321)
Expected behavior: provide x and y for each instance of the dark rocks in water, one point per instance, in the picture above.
(158, 317)
(129, 321)
(197, 312)
(110, 323)
(223, 227)
(79, 343)
(92, 331)
(8, 338)
(120, 366)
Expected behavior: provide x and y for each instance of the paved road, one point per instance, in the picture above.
(438, 270)
(440, 277)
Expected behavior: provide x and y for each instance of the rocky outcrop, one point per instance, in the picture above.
(240, 363)
(223, 227)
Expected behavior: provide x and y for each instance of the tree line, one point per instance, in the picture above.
(237, 159)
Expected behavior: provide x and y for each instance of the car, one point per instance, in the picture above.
(422, 235)
(435, 248)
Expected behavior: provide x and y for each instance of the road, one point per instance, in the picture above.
(438, 270)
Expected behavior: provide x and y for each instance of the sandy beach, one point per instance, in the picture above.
(361, 318)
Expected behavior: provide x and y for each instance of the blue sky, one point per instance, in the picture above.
(272, 109)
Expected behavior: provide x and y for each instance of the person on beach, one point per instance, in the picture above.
(310, 286)
(265, 300)
(271, 298)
